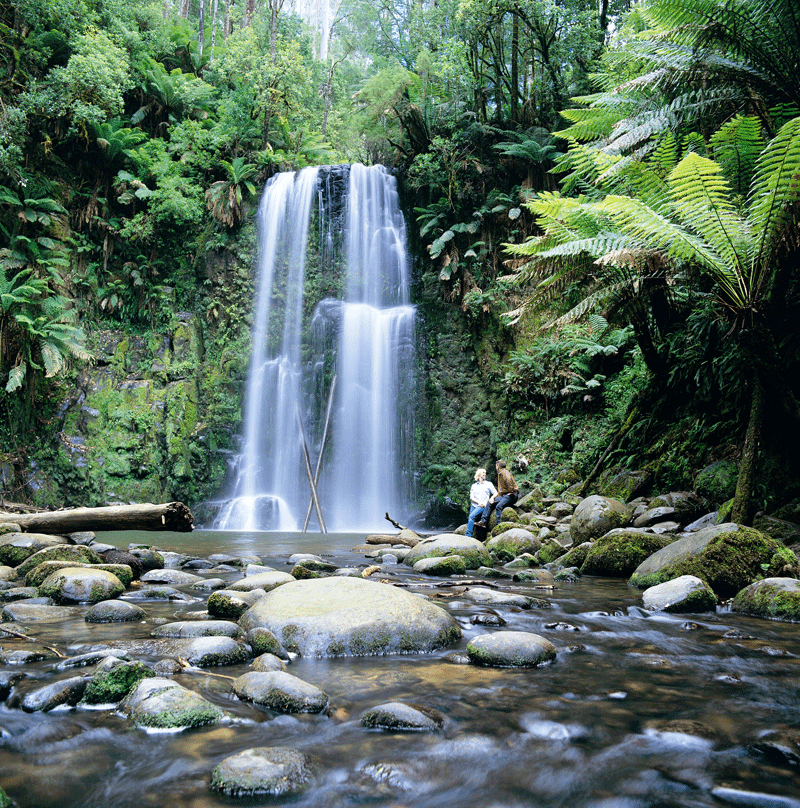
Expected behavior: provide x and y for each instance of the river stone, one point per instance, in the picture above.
(7, 680)
(268, 662)
(197, 628)
(683, 594)
(727, 557)
(625, 485)
(511, 649)
(491, 597)
(686, 505)
(113, 680)
(81, 585)
(574, 557)
(114, 611)
(208, 585)
(471, 550)
(161, 593)
(44, 570)
(163, 704)
(263, 770)
(234, 560)
(781, 530)
(65, 691)
(777, 598)
(280, 691)
(227, 603)
(779, 746)
(263, 641)
(24, 612)
(149, 558)
(620, 551)
(117, 556)
(64, 552)
(266, 581)
(16, 547)
(23, 656)
(91, 658)
(512, 543)
(441, 565)
(18, 593)
(339, 616)
(203, 652)
(7, 573)
(595, 516)
(399, 716)
(539, 576)
(171, 577)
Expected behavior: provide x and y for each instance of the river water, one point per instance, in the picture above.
(637, 711)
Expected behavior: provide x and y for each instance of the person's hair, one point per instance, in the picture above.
(501, 464)
(478, 474)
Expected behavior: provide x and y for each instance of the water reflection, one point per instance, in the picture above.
(638, 711)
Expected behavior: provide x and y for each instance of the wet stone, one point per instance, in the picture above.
(267, 663)
(43, 699)
(399, 716)
(114, 611)
(164, 704)
(487, 619)
(514, 649)
(280, 691)
(197, 628)
(262, 770)
(171, 577)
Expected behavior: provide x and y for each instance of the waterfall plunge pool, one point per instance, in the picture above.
(637, 711)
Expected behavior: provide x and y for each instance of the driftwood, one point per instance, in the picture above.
(174, 516)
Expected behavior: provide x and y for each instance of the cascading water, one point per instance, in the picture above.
(365, 340)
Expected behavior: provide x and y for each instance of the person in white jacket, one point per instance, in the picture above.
(480, 493)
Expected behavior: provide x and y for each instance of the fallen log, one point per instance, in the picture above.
(174, 516)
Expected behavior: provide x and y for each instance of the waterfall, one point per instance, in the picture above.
(364, 337)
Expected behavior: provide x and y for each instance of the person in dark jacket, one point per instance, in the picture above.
(507, 494)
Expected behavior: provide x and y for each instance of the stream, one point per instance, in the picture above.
(639, 710)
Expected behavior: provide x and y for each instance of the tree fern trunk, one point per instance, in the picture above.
(742, 512)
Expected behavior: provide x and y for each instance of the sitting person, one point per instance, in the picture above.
(480, 493)
(507, 493)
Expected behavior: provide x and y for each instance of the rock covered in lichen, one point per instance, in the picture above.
(619, 552)
(81, 585)
(595, 516)
(164, 704)
(398, 716)
(280, 691)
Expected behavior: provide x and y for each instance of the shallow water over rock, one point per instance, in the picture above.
(638, 710)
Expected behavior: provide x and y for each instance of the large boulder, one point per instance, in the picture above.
(63, 552)
(16, 547)
(620, 551)
(595, 516)
(676, 506)
(727, 557)
(471, 550)
(624, 485)
(341, 616)
(776, 598)
(513, 543)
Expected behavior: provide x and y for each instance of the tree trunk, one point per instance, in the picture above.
(201, 27)
(226, 25)
(742, 511)
(514, 93)
(174, 516)
(214, 8)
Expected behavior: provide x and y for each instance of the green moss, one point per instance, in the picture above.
(576, 556)
(113, 685)
(728, 563)
(549, 551)
(769, 600)
(66, 552)
(191, 717)
(619, 554)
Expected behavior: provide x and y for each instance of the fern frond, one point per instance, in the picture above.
(702, 199)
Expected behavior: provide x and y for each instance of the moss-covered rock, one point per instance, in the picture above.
(276, 771)
(574, 557)
(550, 551)
(595, 516)
(624, 485)
(64, 552)
(441, 565)
(727, 557)
(781, 530)
(776, 598)
(511, 649)
(514, 542)
(164, 704)
(16, 547)
(112, 684)
(471, 550)
(397, 716)
(620, 551)
(81, 585)
(38, 574)
(717, 482)
(680, 595)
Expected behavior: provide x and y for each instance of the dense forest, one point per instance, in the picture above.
(603, 200)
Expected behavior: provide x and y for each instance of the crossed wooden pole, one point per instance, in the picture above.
(313, 477)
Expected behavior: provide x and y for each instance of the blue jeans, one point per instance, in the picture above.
(501, 502)
(474, 511)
